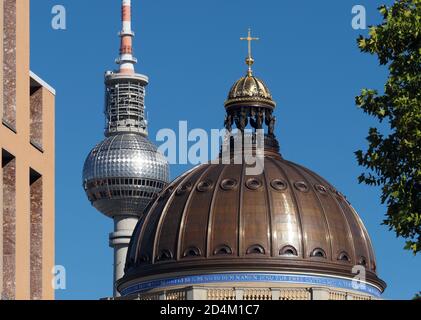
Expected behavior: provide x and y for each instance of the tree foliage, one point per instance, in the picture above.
(393, 160)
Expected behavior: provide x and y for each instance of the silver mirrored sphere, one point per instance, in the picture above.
(123, 173)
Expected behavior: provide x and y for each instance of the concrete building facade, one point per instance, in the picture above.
(27, 164)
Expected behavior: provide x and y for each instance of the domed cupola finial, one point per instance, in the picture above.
(250, 102)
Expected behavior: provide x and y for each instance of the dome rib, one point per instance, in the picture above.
(269, 211)
(359, 238)
(316, 216)
(153, 213)
(216, 191)
(141, 239)
(165, 212)
(184, 215)
(243, 87)
(239, 215)
(367, 240)
(236, 85)
(355, 216)
(280, 211)
(350, 236)
(137, 237)
(297, 207)
(225, 215)
(322, 209)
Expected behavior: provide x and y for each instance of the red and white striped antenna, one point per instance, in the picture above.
(126, 59)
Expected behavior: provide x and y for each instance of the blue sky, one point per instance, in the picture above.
(191, 51)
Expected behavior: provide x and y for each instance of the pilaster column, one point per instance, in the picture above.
(197, 294)
(239, 294)
(319, 294)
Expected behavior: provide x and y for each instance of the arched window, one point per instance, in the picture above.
(318, 253)
(165, 255)
(256, 249)
(343, 256)
(222, 250)
(192, 252)
(288, 251)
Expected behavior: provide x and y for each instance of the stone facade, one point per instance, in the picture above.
(9, 229)
(9, 63)
(36, 118)
(36, 240)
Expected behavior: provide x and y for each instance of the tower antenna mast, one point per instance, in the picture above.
(126, 60)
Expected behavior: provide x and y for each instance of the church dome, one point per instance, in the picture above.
(217, 218)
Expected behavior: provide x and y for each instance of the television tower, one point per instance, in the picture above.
(124, 172)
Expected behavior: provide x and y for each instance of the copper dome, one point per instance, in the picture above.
(216, 217)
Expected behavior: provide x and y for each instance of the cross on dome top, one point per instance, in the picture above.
(249, 59)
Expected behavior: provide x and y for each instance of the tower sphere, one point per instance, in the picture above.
(123, 173)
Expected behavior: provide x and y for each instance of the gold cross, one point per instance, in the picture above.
(249, 59)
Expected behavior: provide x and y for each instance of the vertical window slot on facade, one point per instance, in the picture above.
(36, 235)
(36, 102)
(9, 226)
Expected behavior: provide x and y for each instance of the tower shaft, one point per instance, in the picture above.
(119, 241)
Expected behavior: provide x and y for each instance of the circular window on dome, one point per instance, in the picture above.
(229, 184)
(321, 189)
(253, 183)
(184, 188)
(205, 186)
(301, 186)
(279, 185)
